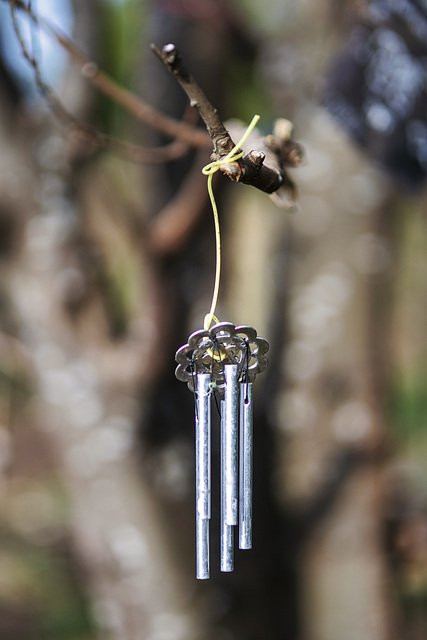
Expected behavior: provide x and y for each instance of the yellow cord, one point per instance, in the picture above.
(211, 168)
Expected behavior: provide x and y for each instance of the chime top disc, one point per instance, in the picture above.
(210, 350)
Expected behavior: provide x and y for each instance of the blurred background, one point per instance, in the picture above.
(107, 266)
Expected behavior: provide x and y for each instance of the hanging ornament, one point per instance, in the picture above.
(223, 360)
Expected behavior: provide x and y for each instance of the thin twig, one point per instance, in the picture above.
(56, 106)
(186, 134)
(128, 151)
(220, 137)
(132, 103)
(252, 169)
(136, 153)
(135, 105)
(96, 139)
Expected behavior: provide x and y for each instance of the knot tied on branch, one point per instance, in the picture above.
(265, 168)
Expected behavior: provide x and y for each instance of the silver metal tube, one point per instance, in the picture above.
(227, 533)
(203, 473)
(227, 548)
(231, 427)
(203, 446)
(246, 463)
(202, 548)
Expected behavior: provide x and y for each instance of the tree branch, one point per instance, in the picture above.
(180, 130)
(251, 169)
(263, 168)
(95, 139)
(135, 105)
(220, 137)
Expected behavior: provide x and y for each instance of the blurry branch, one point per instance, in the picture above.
(54, 103)
(170, 228)
(132, 103)
(264, 168)
(137, 153)
(187, 134)
(133, 152)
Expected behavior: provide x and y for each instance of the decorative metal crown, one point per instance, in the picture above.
(209, 350)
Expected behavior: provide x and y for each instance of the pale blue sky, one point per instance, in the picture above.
(51, 58)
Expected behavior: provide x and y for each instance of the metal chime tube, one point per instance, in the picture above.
(203, 473)
(202, 548)
(227, 532)
(231, 428)
(246, 462)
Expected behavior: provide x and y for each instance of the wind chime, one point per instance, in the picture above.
(223, 360)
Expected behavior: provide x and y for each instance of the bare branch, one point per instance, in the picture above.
(221, 139)
(56, 106)
(171, 227)
(251, 169)
(91, 136)
(263, 168)
(181, 130)
(132, 152)
(132, 103)
(126, 150)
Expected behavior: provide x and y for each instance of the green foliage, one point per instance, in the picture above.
(120, 32)
(16, 386)
(407, 418)
(408, 406)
